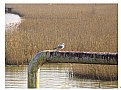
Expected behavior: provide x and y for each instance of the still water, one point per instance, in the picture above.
(53, 75)
(12, 18)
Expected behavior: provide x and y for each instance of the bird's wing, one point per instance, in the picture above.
(60, 46)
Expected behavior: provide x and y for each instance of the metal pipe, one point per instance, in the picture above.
(65, 56)
(84, 57)
(34, 67)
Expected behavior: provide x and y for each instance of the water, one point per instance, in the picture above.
(12, 18)
(53, 75)
(12, 21)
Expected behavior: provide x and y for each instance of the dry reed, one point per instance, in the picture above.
(81, 27)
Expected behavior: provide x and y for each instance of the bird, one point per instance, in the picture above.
(59, 47)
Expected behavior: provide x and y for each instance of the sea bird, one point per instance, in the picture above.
(59, 47)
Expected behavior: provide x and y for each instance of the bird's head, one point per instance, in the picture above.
(63, 43)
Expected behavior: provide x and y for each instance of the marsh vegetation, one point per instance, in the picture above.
(83, 27)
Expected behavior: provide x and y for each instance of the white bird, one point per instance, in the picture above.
(59, 47)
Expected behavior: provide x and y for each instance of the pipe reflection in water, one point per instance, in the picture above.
(58, 75)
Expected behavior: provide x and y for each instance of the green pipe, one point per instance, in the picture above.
(34, 67)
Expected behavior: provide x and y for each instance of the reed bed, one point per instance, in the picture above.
(82, 27)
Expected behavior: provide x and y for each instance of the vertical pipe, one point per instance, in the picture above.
(37, 78)
(34, 67)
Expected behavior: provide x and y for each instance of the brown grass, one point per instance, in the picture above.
(81, 27)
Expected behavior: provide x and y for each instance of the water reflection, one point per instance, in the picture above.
(53, 76)
(16, 77)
